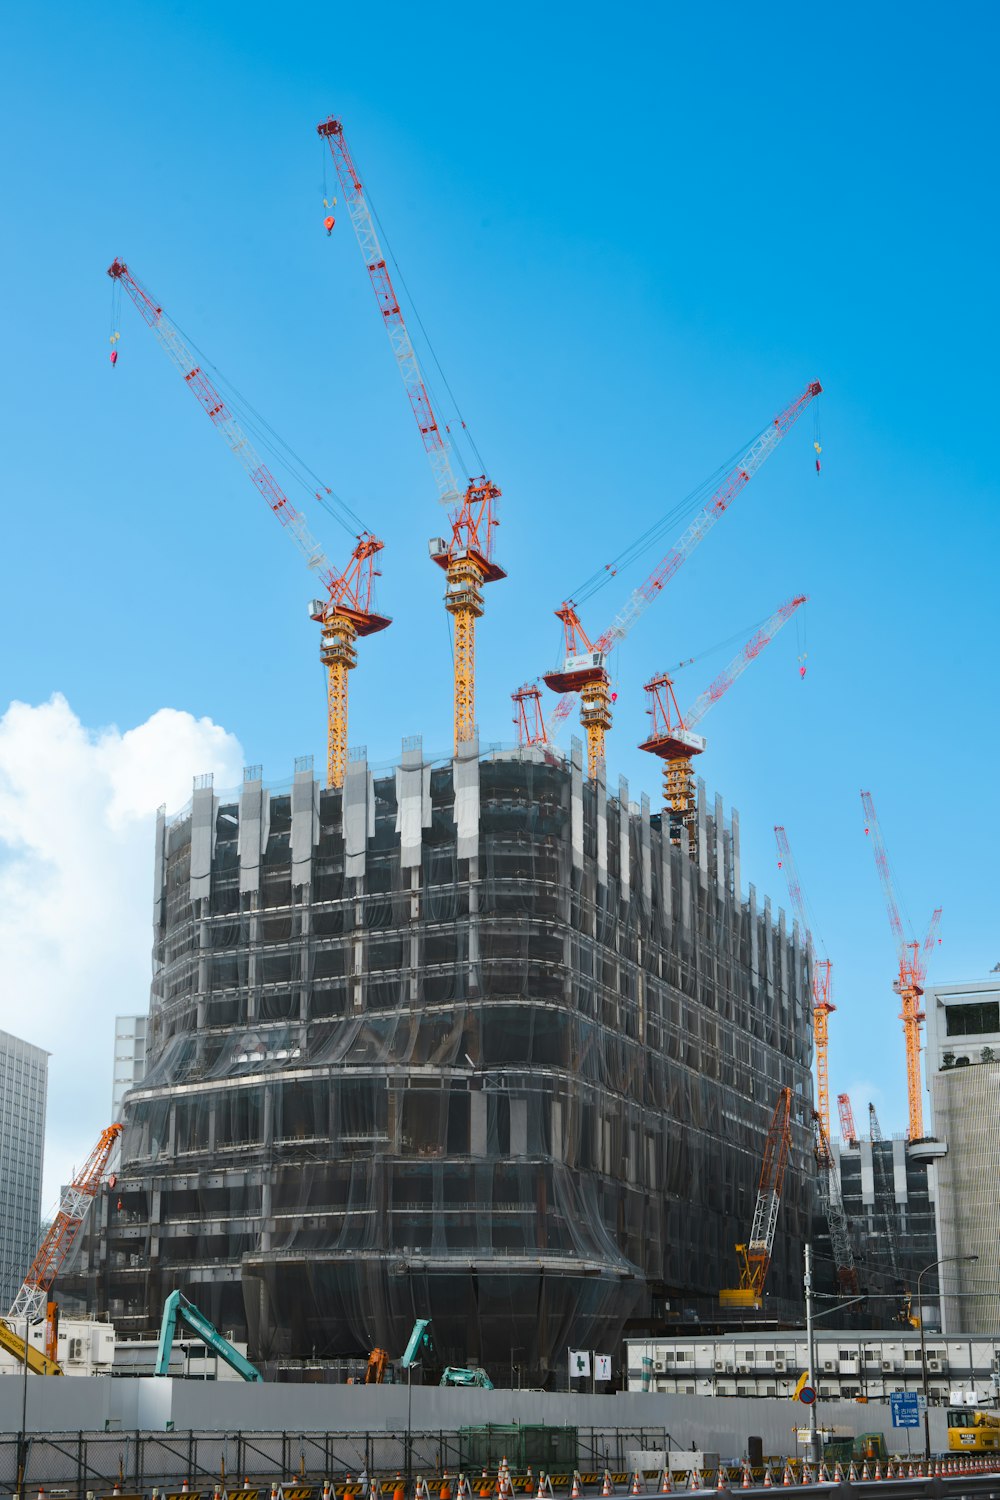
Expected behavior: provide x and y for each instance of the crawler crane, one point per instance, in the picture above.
(32, 1296)
(346, 613)
(467, 555)
(755, 1256)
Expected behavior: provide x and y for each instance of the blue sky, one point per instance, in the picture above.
(633, 238)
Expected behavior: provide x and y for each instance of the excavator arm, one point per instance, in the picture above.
(178, 1306)
(36, 1360)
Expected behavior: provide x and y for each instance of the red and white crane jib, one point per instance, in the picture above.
(643, 596)
(434, 440)
(741, 661)
(349, 588)
(786, 862)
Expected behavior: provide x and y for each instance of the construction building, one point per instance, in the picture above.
(888, 1179)
(130, 1058)
(24, 1071)
(962, 1063)
(848, 1366)
(470, 1039)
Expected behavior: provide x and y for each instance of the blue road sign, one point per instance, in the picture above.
(807, 1395)
(905, 1406)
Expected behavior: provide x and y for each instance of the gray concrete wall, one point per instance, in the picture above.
(87, 1402)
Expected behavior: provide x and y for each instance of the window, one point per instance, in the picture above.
(973, 1020)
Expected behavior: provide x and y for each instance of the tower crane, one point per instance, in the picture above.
(467, 555)
(822, 981)
(885, 1198)
(755, 1256)
(583, 670)
(672, 737)
(833, 1207)
(848, 1129)
(60, 1237)
(528, 716)
(346, 613)
(912, 960)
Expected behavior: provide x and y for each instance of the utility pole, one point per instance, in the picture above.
(947, 1260)
(814, 1452)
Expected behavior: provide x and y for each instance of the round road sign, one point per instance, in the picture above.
(807, 1395)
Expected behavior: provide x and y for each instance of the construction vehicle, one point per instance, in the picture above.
(673, 739)
(584, 667)
(32, 1299)
(455, 1376)
(421, 1350)
(467, 555)
(378, 1364)
(912, 969)
(832, 1200)
(755, 1256)
(346, 612)
(822, 981)
(885, 1206)
(178, 1306)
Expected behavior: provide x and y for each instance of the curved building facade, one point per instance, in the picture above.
(471, 1040)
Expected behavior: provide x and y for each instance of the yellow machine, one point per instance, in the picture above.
(972, 1431)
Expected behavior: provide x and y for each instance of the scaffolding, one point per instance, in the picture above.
(466, 1039)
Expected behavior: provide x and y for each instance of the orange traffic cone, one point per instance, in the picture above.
(574, 1493)
(635, 1483)
(694, 1480)
(745, 1476)
(786, 1477)
(768, 1481)
(185, 1488)
(838, 1473)
(607, 1487)
(541, 1486)
(865, 1471)
(722, 1482)
(806, 1474)
(665, 1486)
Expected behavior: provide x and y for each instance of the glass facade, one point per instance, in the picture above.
(23, 1084)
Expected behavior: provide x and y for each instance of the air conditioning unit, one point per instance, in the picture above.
(934, 1365)
(720, 1364)
(658, 1365)
(779, 1365)
(830, 1365)
(888, 1364)
(742, 1369)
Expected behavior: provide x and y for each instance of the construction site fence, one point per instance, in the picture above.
(94, 1464)
(72, 1463)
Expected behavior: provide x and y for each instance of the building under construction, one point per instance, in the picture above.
(470, 1039)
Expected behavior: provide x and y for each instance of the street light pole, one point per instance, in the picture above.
(944, 1261)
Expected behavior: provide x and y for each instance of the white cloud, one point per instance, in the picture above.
(77, 817)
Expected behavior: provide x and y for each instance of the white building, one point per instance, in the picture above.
(962, 1067)
(849, 1366)
(24, 1073)
(85, 1347)
(130, 1058)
